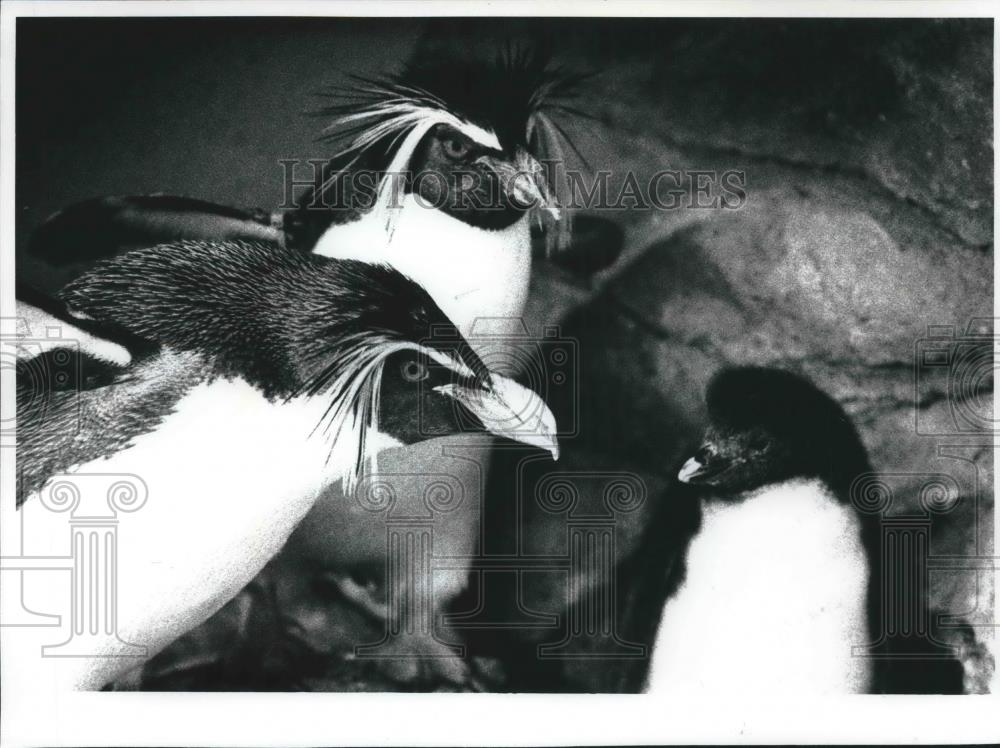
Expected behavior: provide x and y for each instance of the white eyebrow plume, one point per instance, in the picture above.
(400, 115)
(399, 118)
(355, 397)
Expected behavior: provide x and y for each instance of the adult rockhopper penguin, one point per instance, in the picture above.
(782, 580)
(438, 173)
(242, 382)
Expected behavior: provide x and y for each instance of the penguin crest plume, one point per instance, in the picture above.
(503, 105)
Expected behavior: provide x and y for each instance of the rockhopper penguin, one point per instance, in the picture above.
(255, 378)
(775, 593)
(438, 174)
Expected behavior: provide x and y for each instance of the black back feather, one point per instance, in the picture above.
(276, 318)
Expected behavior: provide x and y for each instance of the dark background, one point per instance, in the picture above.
(196, 107)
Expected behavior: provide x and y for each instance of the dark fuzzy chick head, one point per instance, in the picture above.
(517, 97)
(768, 425)
(285, 322)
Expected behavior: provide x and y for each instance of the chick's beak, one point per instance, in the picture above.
(690, 470)
(510, 411)
(704, 466)
(523, 181)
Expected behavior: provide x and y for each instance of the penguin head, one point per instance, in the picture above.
(363, 344)
(470, 133)
(769, 425)
(482, 185)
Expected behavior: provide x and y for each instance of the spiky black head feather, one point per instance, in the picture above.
(500, 95)
(350, 342)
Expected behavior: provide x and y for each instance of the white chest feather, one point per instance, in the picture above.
(229, 475)
(470, 272)
(773, 602)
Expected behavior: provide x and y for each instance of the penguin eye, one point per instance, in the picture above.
(705, 454)
(414, 371)
(456, 148)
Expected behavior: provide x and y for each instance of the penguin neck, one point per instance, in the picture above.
(763, 499)
(472, 273)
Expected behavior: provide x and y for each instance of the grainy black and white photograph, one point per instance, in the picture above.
(465, 353)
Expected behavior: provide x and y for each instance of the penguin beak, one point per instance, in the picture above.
(690, 470)
(705, 465)
(523, 181)
(508, 410)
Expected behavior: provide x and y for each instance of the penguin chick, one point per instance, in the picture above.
(269, 376)
(775, 592)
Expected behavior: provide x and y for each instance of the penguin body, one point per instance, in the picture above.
(775, 594)
(261, 379)
(773, 599)
(448, 118)
(459, 264)
(95, 228)
(219, 483)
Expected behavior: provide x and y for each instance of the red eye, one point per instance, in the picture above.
(456, 148)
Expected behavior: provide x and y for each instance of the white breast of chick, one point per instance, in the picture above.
(773, 602)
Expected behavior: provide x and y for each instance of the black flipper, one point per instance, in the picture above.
(58, 357)
(107, 226)
(38, 311)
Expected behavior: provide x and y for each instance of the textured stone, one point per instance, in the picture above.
(902, 105)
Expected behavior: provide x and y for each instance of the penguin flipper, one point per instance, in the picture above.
(58, 357)
(103, 227)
